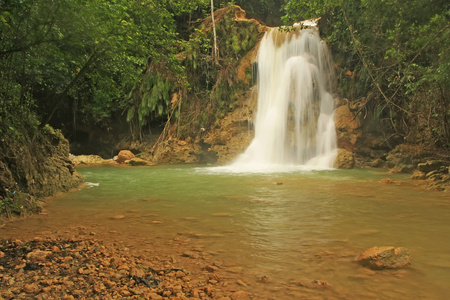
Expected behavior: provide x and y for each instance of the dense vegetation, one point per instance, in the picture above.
(394, 59)
(85, 64)
(131, 66)
(112, 65)
(77, 61)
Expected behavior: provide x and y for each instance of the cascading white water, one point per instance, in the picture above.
(294, 122)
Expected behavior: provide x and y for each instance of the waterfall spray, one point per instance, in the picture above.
(294, 122)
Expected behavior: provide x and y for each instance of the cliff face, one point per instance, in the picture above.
(34, 163)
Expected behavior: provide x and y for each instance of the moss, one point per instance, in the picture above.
(18, 204)
(33, 166)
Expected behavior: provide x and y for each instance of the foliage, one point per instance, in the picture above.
(266, 11)
(394, 60)
(214, 87)
(77, 61)
(17, 204)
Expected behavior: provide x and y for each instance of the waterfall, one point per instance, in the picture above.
(294, 124)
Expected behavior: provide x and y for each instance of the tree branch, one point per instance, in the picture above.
(358, 50)
(61, 96)
(26, 47)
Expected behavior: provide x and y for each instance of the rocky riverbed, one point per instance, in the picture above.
(84, 264)
(80, 265)
(70, 268)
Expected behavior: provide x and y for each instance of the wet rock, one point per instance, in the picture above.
(386, 181)
(438, 174)
(348, 127)
(139, 162)
(55, 249)
(387, 257)
(31, 288)
(241, 283)
(190, 254)
(118, 217)
(172, 152)
(124, 155)
(88, 160)
(99, 287)
(345, 120)
(137, 272)
(429, 166)
(312, 284)
(345, 159)
(17, 243)
(376, 163)
(418, 175)
(439, 180)
(179, 274)
(38, 255)
(154, 296)
(211, 268)
(402, 159)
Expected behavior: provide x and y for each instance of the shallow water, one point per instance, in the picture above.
(285, 226)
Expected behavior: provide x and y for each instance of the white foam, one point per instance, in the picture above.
(294, 125)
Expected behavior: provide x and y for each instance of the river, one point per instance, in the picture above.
(283, 226)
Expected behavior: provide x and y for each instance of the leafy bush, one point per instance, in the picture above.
(394, 60)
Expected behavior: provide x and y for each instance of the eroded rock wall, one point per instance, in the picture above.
(33, 165)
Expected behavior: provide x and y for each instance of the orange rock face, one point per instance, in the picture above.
(387, 257)
(124, 155)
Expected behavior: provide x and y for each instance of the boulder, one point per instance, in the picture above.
(345, 159)
(376, 163)
(87, 159)
(345, 119)
(418, 175)
(402, 159)
(135, 161)
(430, 166)
(38, 255)
(312, 284)
(348, 128)
(386, 257)
(124, 155)
(31, 288)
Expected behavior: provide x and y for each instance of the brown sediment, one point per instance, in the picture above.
(82, 263)
(87, 268)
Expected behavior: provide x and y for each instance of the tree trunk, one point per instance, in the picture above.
(215, 49)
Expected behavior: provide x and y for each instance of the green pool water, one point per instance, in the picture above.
(285, 225)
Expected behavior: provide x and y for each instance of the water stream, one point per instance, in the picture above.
(294, 122)
(285, 226)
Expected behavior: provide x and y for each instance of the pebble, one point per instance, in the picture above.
(31, 288)
(190, 254)
(89, 269)
(118, 217)
(240, 282)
